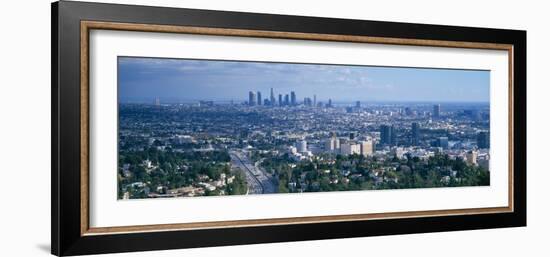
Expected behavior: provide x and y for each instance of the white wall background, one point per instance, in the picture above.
(25, 127)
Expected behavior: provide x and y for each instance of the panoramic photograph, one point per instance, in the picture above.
(189, 128)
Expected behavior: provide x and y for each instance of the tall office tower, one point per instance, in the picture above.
(272, 98)
(358, 104)
(415, 135)
(314, 100)
(307, 101)
(292, 98)
(259, 98)
(443, 142)
(437, 111)
(385, 134)
(157, 101)
(366, 147)
(393, 138)
(471, 157)
(287, 99)
(251, 98)
(280, 100)
(329, 105)
(483, 139)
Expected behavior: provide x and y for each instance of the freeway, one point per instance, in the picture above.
(259, 182)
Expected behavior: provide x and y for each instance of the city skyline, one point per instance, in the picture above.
(143, 80)
(297, 128)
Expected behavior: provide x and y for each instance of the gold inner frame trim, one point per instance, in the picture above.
(86, 26)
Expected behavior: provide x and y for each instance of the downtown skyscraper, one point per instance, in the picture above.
(388, 135)
(437, 111)
(251, 98)
(272, 98)
(415, 133)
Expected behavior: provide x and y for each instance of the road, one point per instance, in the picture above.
(259, 182)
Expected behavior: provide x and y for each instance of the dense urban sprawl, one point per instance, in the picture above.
(284, 145)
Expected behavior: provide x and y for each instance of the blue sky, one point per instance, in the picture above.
(180, 80)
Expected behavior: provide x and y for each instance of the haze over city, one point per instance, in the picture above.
(142, 80)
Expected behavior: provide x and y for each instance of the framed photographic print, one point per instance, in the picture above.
(177, 128)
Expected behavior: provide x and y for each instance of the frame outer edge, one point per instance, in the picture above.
(67, 120)
(520, 119)
(65, 225)
(55, 230)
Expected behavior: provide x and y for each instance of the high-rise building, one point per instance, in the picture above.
(385, 134)
(157, 101)
(415, 134)
(280, 100)
(471, 157)
(251, 98)
(366, 147)
(350, 148)
(358, 104)
(259, 94)
(336, 140)
(272, 98)
(301, 146)
(333, 143)
(483, 139)
(329, 105)
(388, 135)
(436, 111)
(329, 145)
(307, 101)
(393, 138)
(287, 99)
(314, 100)
(443, 142)
(292, 98)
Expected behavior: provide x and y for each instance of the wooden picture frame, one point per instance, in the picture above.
(71, 25)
